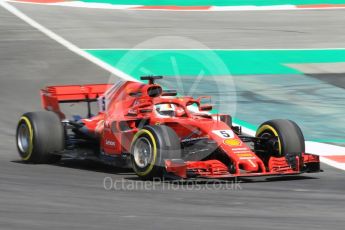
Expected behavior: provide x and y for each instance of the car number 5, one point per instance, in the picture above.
(224, 133)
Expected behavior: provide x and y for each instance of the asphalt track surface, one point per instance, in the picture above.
(70, 195)
(91, 28)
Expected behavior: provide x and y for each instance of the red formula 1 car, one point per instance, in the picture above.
(158, 134)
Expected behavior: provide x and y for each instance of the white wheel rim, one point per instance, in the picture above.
(23, 138)
(142, 152)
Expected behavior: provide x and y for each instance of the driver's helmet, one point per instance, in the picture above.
(166, 110)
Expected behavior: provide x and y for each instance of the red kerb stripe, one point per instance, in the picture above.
(339, 159)
(321, 6)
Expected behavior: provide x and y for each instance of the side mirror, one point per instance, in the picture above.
(206, 107)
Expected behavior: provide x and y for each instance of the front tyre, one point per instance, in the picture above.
(40, 137)
(285, 137)
(151, 146)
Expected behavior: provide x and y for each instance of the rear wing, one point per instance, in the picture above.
(51, 96)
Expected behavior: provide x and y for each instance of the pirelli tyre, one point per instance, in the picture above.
(289, 138)
(40, 137)
(151, 146)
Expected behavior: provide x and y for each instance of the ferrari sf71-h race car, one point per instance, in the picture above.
(158, 134)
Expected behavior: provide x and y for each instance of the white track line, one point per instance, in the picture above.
(64, 42)
(320, 147)
(323, 149)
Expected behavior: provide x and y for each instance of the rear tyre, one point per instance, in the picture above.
(40, 137)
(151, 146)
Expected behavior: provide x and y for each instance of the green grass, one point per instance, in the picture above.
(214, 62)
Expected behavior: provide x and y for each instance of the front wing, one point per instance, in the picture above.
(215, 169)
